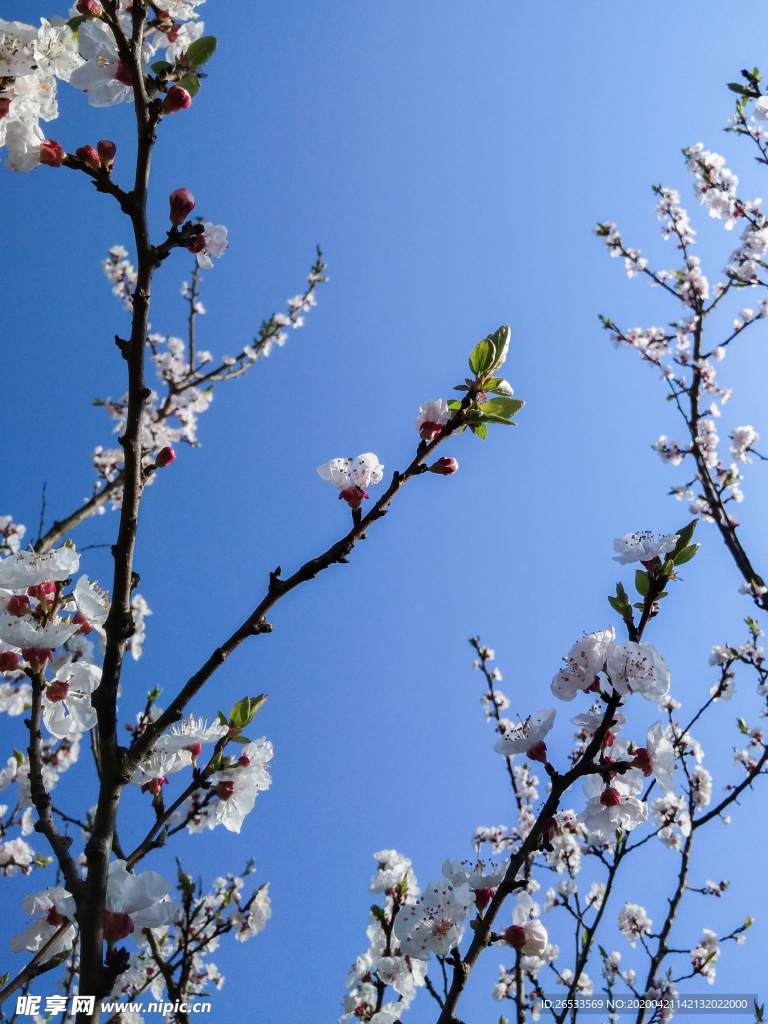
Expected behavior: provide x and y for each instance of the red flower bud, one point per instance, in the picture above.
(89, 156)
(51, 153)
(444, 466)
(176, 99)
(18, 605)
(165, 457)
(85, 625)
(5, 105)
(9, 661)
(182, 204)
(538, 752)
(123, 75)
(57, 690)
(116, 926)
(515, 936)
(224, 790)
(609, 797)
(642, 761)
(483, 897)
(37, 656)
(89, 7)
(106, 151)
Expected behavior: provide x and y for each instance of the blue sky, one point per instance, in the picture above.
(451, 159)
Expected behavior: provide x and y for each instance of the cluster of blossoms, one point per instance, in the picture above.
(82, 51)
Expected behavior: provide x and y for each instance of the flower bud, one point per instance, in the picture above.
(57, 691)
(429, 430)
(165, 457)
(538, 752)
(5, 105)
(483, 897)
(51, 153)
(85, 626)
(609, 797)
(515, 936)
(176, 99)
(41, 590)
(18, 605)
(89, 156)
(182, 204)
(9, 661)
(89, 7)
(198, 243)
(224, 790)
(642, 760)
(116, 926)
(37, 656)
(106, 151)
(444, 466)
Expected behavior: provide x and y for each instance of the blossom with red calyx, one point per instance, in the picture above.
(527, 737)
(353, 476)
(176, 99)
(89, 7)
(432, 417)
(244, 761)
(89, 156)
(18, 605)
(483, 897)
(165, 457)
(106, 151)
(9, 661)
(182, 204)
(123, 75)
(51, 153)
(445, 466)
(610, 798)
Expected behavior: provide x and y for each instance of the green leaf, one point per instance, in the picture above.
(500, 341)
(240, 739)
(244, 712)
(735, 87)
(59, 958)
(461, 387)
(191, 83)
(222, 719)
(75, 23)
(684, 538)
(497, 419)
(160, 66)
(617, 605)
(642, 583)
(454, 404)
(687, 554)
(19, 757)
(504, 407)
(201, 51)
(481, 430)
(98, 401)
(482, 357)
(499, 386)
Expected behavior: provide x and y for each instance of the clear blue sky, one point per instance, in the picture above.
(451, 159)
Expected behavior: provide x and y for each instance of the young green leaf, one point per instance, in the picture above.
(642, 583)
(684, 538)
(160, 66)
(482, 357)
(500, 341)
(481, 430)
(244, 712)
(504, 407)
(687, 554)
(499, 386)
(191, 83)
(201, 51)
